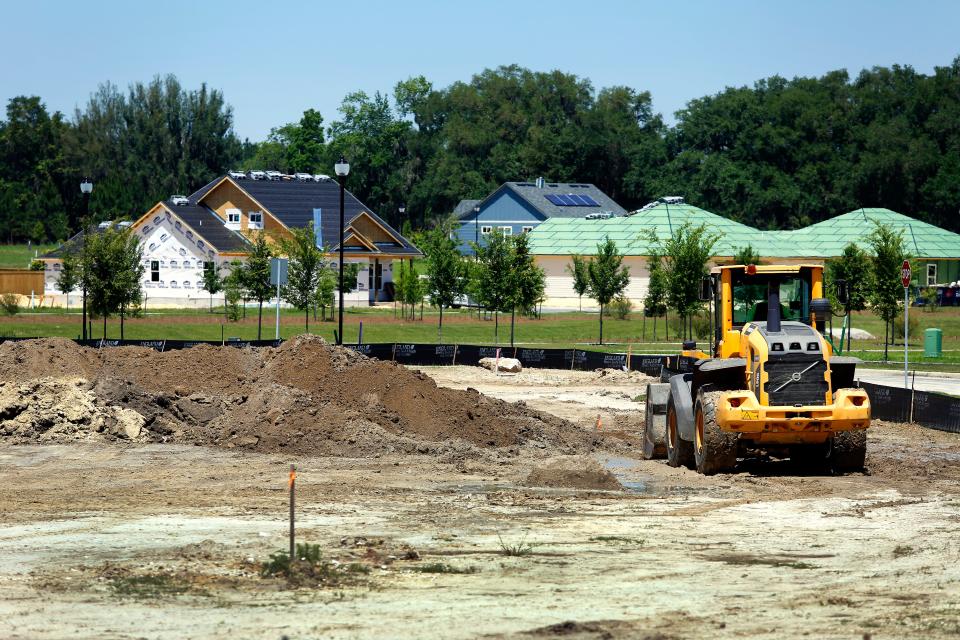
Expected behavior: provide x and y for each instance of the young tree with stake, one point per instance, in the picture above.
(578, 270)
(256, 277)
(527, 280)
(70, 274)
(212, 280)
(606, 275)
(303, 271)
(887, 290)
(493, 277)
(446, 270)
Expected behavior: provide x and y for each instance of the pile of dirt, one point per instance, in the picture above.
(573, 472)
(305, 397)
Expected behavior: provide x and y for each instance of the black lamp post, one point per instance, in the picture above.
(476, 229)
(402, 209)
(342, 169)
(86, 187)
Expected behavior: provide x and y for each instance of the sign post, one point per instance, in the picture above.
(278, 276)
(905, 280)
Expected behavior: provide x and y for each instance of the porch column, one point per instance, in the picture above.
(376, 287)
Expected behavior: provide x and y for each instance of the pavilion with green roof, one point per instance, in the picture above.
(935, 251)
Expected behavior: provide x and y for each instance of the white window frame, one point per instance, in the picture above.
(486, 230)
(527, 229)
(255, 224)
(233, 218)
(933, 280)
(506, 230)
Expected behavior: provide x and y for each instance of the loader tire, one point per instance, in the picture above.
(849, 450)
(715, 450)
(679, 451)
(655, 422)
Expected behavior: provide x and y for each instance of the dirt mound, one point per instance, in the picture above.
(305, 396)
(573, 472)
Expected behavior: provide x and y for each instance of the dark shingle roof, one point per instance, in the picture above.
(464, 208)
(209, 225)
(536, 196)
(293, 203)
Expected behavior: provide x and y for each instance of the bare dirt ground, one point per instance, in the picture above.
(107, 536)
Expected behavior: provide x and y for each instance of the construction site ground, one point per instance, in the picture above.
(557, 529)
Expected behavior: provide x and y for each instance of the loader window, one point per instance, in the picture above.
(750, 298)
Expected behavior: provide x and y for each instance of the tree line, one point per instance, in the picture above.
(781, 153)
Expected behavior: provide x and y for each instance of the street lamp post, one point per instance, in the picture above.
(342, 169)
(86, 187)
(402, 209)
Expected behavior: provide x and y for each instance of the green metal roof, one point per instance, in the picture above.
(566, 236)
(828, 238)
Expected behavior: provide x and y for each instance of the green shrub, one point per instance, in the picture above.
(620, 308)
(10, 303)
(898, 328)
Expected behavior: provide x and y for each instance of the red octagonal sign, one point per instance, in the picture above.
(905, 274)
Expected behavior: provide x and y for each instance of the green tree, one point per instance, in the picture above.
(746, 255)
(655, 303)
(686, 253)
(70, 273)
(233, 290)
(112, 271)
(492, 277)
(409, 290)
(326, 287)
(886, 288)
(578, 270)
(303, 271)
(446, 270)
(212, 280)
(256, 276)
(527, 280)
(853, 267)
(607, 276)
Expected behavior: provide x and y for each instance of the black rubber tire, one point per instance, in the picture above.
(849, 450)
(715, 450)
(679, 451)
(654, 425)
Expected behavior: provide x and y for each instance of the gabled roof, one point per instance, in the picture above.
(564, 236)
(536, 197)
(208, 226)
(828, 238)
(822, 240)
(292, 203)
(464, 207)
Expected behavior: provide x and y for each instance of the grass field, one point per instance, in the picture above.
(559, 330)
(18, 256)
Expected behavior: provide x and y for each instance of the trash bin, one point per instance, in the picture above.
(933, 343)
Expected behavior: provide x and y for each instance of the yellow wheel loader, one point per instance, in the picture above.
(770, 381)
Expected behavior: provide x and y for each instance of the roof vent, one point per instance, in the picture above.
(540, 182)
(672, 199)
(179, 200)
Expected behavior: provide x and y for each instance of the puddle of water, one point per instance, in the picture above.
(621, 467)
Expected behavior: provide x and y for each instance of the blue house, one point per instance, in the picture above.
(518, 207)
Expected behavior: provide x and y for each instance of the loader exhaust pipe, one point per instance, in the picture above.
(773, 307)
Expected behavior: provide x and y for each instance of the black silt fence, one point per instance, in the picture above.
(425, 354)
(648, 365)
(937, 411)
(378, 351)
(888, 403)
(470, 354)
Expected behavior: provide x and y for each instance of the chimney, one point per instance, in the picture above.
(540, 182)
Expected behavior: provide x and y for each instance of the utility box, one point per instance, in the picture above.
(933, 343)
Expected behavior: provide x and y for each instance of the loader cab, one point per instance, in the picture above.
(742, 293)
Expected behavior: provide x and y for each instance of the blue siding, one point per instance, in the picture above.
(505, 209)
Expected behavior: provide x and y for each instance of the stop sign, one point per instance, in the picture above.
(905, 274)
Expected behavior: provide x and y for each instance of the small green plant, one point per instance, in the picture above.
(520, 549)
(310, 569)
(619, 308)
(440, 567)
(10, 303)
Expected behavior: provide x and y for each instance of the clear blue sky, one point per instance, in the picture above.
(273, 60)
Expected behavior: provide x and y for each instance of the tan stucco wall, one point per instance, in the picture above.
(559, 282)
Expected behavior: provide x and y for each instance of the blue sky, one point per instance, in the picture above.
(273, 60)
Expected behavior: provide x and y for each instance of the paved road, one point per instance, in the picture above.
(925, 380)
